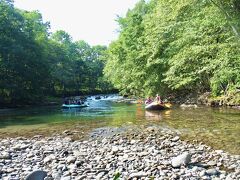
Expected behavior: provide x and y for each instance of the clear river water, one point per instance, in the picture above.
(217, 127)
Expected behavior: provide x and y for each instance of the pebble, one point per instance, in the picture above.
(37, 175)
(81, 177)
(212, 163)
(48, 159)
(182, 159)
(154, 153)
(202, 173)
(175, 139)
(5, 155)
(212, 172)
(138, 175)
(70, 159)
(115, 149)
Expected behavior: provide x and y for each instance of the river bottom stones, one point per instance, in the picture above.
(150, 153)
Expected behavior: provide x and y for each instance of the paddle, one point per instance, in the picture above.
(168, 105)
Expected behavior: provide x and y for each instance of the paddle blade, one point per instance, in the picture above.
(168, 105)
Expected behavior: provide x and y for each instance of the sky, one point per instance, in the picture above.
(90, 20)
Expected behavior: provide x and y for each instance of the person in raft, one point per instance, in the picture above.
(158, 99)
(148, 100)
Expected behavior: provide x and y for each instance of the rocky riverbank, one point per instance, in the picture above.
(149, 153)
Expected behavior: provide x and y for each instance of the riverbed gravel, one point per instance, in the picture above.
(149, 153)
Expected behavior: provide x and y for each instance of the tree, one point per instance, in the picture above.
(21, 56)
(231, 10)
(78, 67)
(125, 64)
(176, 47)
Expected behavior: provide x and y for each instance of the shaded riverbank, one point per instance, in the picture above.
(146, 152)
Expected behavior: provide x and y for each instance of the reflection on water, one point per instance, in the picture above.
(153, 115)
(219, 127)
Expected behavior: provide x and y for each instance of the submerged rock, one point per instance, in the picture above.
(98, 97)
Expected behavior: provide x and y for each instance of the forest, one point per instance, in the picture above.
(174, 48)
(177, 48)
(36, 64)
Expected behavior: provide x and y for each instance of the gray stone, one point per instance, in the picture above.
(5, 155)
(133, 141)
(175, 139)
(219, 151)
(56, 175)
(196, 168)
(212, 172)
(183, 159)
(66, 178)
(30, 155)
(222, 176)
(115, 149)
(71, 159)
(37, 175)
(81, 177)
(48, 152)
(202, 173)
(138, 175)
(100, 175)
(229, 177)
(17, 147)
(102, 171)
(27, 169)
(61, 166)
(206, 178)
(10, 170)
(48, 159)
(212, 163)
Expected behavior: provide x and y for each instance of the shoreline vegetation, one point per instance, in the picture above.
(36, 64)
(178, 49)
(185, 50)
(188, 52)
(140, 153)
(190, 99)
(56, 100)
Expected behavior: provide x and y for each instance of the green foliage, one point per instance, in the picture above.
(34, 65)
(125, 66)
(20, 54)
(171, 46)
(231, 10)
(116, 176)
(76, 67)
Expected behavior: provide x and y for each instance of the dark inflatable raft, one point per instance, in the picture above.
(156, 106)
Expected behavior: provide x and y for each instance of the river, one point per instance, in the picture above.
(217, 127)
